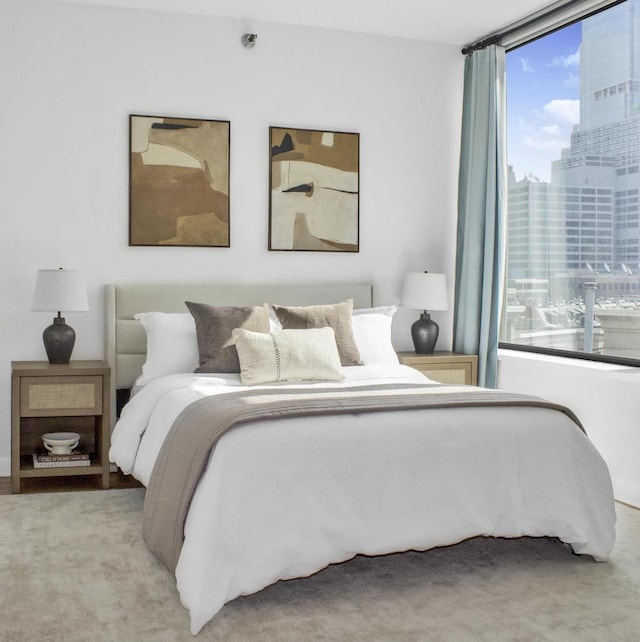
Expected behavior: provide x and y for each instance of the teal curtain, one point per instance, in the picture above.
(481, 212)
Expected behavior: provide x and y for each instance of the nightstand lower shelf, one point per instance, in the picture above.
(27, 469)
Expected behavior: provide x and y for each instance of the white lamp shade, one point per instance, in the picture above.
(60, 290)
(424, 291)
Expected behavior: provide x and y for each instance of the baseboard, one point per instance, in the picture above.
(626, 493)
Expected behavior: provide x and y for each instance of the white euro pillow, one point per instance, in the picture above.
(172, 345)
(304, 355)
(372, 333)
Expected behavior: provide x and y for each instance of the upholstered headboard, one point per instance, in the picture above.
(126, 341)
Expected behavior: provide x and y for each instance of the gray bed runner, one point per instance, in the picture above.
(186, 449)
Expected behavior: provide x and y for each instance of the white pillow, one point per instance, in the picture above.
(172, 345)
(307, 355)
(274, 322)
(372, 333)
(387, 310)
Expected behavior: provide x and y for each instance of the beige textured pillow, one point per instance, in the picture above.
(214, 327)
(337, 316)
(308, 355)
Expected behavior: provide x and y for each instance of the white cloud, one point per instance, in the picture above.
(566, 111)
(551, 130)
(526, 65)
(542, 142)
(564, 62)
(572, 81)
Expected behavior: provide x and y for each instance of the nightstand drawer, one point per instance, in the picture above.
(80, 395)
(447, 375)
(444, 367)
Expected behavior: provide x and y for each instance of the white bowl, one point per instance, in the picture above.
(60, 443)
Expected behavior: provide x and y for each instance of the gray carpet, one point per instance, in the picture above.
(73, 568)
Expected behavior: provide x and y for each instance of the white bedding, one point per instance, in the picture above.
(285, 498)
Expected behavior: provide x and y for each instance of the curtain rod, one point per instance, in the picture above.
(544, 15)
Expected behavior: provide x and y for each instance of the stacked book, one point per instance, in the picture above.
(44, 459)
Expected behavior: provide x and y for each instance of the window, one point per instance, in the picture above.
(573, 144)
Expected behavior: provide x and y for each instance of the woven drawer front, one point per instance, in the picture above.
(448, 376)
(73, 395)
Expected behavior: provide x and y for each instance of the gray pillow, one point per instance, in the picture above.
(336, 316)
(214, 327)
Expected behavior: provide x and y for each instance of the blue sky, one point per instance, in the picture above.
(542, 100)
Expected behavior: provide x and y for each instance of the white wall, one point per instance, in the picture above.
(71, 75)
(604, 397)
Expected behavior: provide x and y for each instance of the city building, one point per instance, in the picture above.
(586, 220)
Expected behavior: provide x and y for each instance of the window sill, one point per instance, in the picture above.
(504, 353)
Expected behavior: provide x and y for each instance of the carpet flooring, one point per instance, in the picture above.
(73, 568)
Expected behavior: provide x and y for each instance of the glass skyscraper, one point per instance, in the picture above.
(587, 219)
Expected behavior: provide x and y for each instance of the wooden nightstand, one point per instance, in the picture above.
(59, 398)
(444, 367)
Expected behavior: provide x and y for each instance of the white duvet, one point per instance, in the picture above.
(284, 498)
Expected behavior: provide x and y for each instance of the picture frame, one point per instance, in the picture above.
(314, 190)
(178, 181)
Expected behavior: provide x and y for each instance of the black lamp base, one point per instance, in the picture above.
(424, 333)
(59, 340)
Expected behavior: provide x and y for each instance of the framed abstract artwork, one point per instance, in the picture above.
(178, 181)
(314, 190)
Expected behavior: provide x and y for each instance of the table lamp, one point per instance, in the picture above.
(58, 290)
(426, 291)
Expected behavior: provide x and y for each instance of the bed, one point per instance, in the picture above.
(301, 474)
